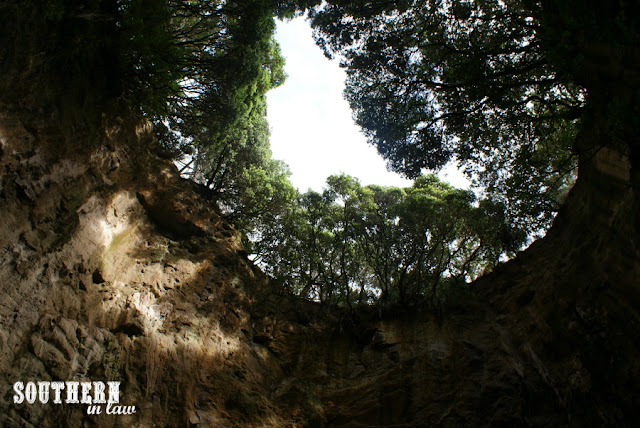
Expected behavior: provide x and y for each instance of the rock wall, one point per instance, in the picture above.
(115, 270)
(112, 268)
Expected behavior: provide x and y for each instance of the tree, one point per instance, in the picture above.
(228, 61)
(198, 69)
(296, 250)
(419, 241)
(358, 245)
(485, 83)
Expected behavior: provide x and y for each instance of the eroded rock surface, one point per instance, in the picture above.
(113, 268)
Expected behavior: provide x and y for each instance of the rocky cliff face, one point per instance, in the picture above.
(112, 268)
(115, 270)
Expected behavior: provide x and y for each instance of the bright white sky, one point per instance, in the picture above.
(311, 125)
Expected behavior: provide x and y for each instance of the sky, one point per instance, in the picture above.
(312, 129)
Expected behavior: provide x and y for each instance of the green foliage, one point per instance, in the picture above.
(215, 125)
(186, 64)
(198, 69)
(434, 81)
(149, 55)
(355, 245)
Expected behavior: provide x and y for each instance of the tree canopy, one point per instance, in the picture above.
(354, 244)
(497, 86)
(200, 68)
